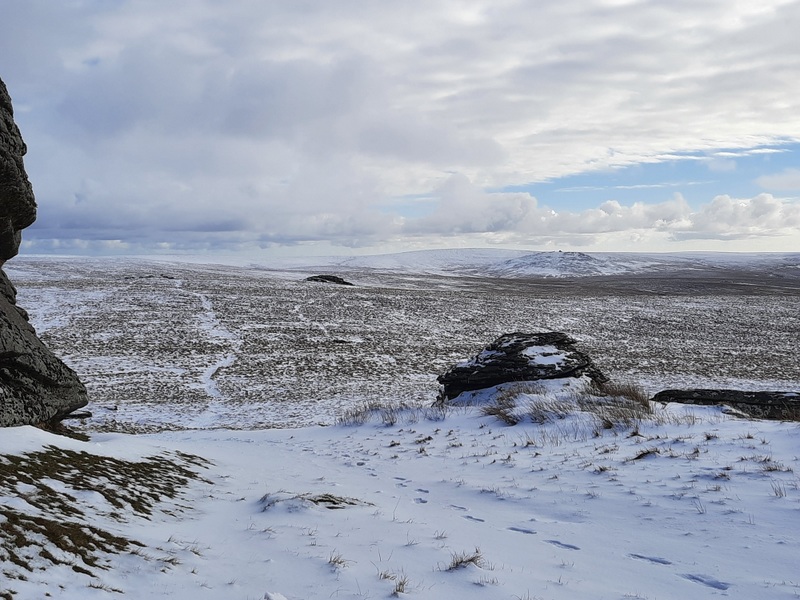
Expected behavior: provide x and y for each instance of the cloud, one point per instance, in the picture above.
(786, 180)
(519, 218)
(721, 165)
(463, 208)
(733, 218)
(200, 122)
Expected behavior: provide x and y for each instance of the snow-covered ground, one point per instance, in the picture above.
(420, 503)
(165, 344)
(521, 263)
(698, 505)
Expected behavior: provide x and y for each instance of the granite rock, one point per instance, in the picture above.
(756, 404)
(35, 386)
(519, 357)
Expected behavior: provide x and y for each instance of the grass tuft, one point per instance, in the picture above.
(390, 414)
(461, 560)
(503, 409)
(337, 561)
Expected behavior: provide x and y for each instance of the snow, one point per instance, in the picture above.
(683, 507)
(545, 355)
(690, 503)
(477, 262)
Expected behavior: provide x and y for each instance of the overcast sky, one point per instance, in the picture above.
(316, 126)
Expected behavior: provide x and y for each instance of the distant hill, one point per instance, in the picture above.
(483, 262)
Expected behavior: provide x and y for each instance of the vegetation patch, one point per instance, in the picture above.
(609, 405)
(54, 496)
(329, 501)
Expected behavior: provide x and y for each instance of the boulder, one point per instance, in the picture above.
(519, 357)
(35, 386)
(328, 279)
(759, 405)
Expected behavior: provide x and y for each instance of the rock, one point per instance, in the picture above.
(17, 204)
(35, 386)
(759, 405)
(519, 357)
(328, 279)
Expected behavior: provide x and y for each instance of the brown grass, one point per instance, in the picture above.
(56, 530)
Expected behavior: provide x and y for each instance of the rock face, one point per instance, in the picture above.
(760, 405)
(35, 386)
(17, 204)
(518, 357)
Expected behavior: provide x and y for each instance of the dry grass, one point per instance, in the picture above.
(390, 413)
(460, 560)
(503, 408)
(329, 501)
(610, 405)
(59, 533)
(337, 561)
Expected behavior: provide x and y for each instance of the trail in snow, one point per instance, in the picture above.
(213, 328)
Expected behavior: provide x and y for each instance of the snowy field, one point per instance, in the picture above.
(208, 501)
(178, 345)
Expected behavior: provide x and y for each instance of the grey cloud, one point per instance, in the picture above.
(417, 139)
(464, 208)
(283, 121)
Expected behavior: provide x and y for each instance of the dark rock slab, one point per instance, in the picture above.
(35, 386)
(759, 405)
(519, 357)
(328, 279)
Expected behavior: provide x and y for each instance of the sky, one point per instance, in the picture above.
(353, 127)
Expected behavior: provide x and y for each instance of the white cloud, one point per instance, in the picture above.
(786, 180)
(721, 165)
(519, 218)
(735, 218)
(287, 122)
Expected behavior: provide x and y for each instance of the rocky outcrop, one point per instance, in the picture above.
(17, 204)
(759, 405)
(35, 386)
(328, 279)
(519, 357)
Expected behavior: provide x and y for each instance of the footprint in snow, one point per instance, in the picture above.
(562, 545)
(420, 501)
(422, 491)
(522, 530)
(457, 507)
(708, 581)
(653, 559)
(476, 519)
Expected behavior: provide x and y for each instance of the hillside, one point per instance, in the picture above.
(522, 264)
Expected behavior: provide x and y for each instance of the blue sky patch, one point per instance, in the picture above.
(699, 177)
